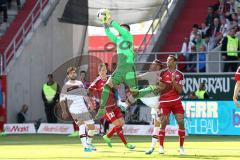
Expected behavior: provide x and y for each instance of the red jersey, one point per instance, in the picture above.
(170, 93)
(237, 74)
(96, 90)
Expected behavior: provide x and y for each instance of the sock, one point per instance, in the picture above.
(90, 135)
(181, 134)
(75, 126)
(111, 132)
(155, 136)
(120, 134)
(105, 95)
(105, 126)
(83, 136)
(161, 136)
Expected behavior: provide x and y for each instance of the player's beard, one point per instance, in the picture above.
(73, 78)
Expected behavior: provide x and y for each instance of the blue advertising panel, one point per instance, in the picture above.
(211, 118)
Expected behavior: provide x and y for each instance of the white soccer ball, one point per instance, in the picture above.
(103, 14)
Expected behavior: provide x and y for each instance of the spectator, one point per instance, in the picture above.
(22, 116)
(192, 96)
(191, 67)
(204, 29)
(3, 8)
(234, 17)
(202, 59)
(185, 46)
(50, 96)
(234, 24)
(201, 93)
(214, 32)
(17, 1)
(237, 4)
(238, 16)
(82, 78)
(230, 48)
(207, 44)
(198, 42)
(194, 32)
(223, 7)
(224, 27)
(211, 15)
(232, 6)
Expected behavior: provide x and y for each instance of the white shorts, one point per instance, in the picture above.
(76, 104)
(79, 110)
(152, 102)
(83, 117)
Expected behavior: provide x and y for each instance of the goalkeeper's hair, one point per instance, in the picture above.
(70, 69)
(126, 26)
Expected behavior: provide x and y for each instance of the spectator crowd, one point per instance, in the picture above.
(221, 28)
(6, 5)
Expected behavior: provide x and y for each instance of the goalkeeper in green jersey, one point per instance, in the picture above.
(125, 70)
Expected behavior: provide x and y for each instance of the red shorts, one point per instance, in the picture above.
(174, 106)
(113, 113)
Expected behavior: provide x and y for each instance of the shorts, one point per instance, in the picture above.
(77, 105)
(84, 117)
(175, 107)
(126, 76)
(113, 113)
(152, 102)
(78, 110)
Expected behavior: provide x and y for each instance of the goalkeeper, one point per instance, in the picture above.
(125, 70)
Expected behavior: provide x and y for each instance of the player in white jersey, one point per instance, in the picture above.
(152, 100)
(73, 100)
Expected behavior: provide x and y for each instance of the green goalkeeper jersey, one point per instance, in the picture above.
(124, 44)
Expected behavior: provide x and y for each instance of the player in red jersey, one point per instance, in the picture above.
(237, 88)
(170, 101)
(114, 114)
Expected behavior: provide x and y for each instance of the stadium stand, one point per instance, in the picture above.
(16, 30)
(182, 26)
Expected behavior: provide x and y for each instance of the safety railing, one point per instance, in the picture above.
(18, 39)
(160, 16)
(213, 63)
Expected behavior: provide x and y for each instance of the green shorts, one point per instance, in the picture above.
(126, 76)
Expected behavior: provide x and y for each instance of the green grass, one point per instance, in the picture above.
(53, 147)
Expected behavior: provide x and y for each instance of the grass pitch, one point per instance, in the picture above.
(53, 147)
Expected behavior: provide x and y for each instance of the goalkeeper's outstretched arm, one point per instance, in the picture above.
(110, 35)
